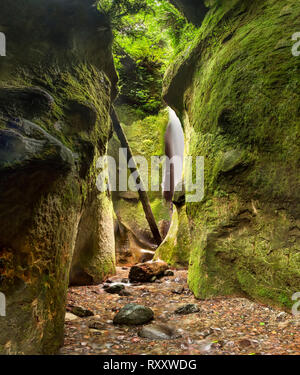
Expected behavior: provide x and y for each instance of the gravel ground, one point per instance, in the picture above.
(223, 326)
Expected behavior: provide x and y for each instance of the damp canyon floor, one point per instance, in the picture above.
(223, 326)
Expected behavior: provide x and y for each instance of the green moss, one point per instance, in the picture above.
(237, 91)
(175, 249)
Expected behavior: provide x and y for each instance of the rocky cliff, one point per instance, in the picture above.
(57, 82)
(236, 88)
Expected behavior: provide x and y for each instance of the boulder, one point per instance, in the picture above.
(146, 272)
(133, 314)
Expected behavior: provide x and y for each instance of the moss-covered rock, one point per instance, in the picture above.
(175, 249)
(237, 90)
(56, 86)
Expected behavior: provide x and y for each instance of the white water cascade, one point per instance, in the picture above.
(174, 149)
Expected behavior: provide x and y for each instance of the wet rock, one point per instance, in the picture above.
(169, 273)
(159, 332)
(133, 314)
(144, 272)
(25, 144)
(79, 311)
(28, 102)
(115, 289)
(187, 309)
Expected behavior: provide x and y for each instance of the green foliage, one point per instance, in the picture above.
(148, 34)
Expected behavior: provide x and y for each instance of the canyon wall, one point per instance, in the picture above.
(236, 89)
(56, 86)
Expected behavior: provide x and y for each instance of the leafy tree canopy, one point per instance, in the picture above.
(148, 34)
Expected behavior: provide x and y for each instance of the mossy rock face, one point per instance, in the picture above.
(175, 249)
(57, 83)
(236, 88)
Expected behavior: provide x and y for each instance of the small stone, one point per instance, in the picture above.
(115, 289)
(70, 317)
(281, 316)
(95, 332)
(79, 311)
(125, 281)
(153, 279)
(245, 343)
(133, 314)
(124, 293)
(187, 309)
(159, 332)
(207, 332)
(179, 290)
(169, 273)
(96, 325)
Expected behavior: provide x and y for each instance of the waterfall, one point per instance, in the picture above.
(174, 148)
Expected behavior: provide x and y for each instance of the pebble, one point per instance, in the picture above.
(81, 312)
(187, 309)
(179, 290)
(159, 332)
